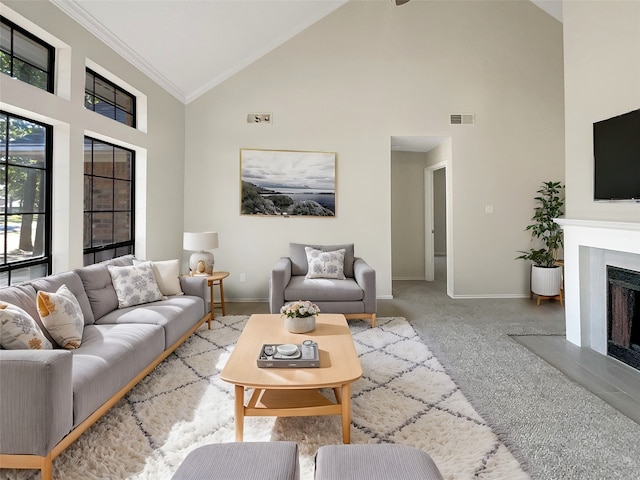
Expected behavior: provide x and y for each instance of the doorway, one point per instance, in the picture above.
(420, 209)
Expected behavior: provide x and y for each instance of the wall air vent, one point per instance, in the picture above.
(462, 119)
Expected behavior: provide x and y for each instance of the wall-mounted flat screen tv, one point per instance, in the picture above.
(616, 151)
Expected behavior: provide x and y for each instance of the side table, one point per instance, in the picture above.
(216, 278)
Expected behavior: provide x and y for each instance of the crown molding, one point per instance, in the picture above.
(80, 15)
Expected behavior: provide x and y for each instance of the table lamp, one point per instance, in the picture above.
(200, 262)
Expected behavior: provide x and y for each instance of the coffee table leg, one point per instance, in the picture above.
(346, 413)
(239, 412)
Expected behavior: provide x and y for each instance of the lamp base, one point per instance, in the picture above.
(201, 263)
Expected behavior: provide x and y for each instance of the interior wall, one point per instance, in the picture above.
(351, 81)
(407, 215)
(602, 80)
(439, 212)
(159, 147)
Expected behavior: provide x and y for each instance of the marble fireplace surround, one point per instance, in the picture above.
(589, 246)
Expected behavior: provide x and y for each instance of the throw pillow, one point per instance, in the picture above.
(134, 284)
(62, 316)
(19, 331)
(325, 264)
(167, 273)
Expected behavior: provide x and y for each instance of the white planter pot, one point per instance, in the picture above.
(546, 281)
(300, 324)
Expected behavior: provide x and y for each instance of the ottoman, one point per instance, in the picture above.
(374, 461)
(241, 461)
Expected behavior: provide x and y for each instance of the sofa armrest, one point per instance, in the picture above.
(280, 277)
(365, 276)
(36, 396)
(197, 287)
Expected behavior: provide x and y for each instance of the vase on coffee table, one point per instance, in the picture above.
(300, 324)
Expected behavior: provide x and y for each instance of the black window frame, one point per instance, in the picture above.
(91, 96)
(45, 259)
(95, 254)
(50, 60)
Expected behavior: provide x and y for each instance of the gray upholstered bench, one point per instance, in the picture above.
(241, 461)
(373, 461)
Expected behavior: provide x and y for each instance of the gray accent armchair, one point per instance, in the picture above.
(354, 297)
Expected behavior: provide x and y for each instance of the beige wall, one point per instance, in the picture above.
(159, 144)
(602, 80)
(407, 215)
(440, 212)
(347, 84)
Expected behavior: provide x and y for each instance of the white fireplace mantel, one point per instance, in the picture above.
(589, 246)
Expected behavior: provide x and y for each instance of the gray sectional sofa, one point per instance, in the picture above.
(50, 397)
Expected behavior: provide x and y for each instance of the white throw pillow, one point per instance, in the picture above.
(62, 316)
(134, 284)
(167, 273)
(325, 264)
(19, 331)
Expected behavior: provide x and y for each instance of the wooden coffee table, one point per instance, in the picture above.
(293, 392)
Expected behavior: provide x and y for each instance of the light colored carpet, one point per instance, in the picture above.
(404, 396)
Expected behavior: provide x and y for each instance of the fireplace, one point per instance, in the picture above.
(623, 315)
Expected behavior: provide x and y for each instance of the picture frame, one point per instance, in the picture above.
(287, 183)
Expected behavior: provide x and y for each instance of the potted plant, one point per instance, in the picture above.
(300, 316)
(546, 274)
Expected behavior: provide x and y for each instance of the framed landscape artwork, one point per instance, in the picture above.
(288, 183)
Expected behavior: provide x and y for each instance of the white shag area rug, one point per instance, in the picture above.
(404, 396)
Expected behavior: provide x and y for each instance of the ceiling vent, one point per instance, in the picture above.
(462, 119)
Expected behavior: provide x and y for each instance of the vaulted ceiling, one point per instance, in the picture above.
(190, 46)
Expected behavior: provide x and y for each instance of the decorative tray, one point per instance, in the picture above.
(289, 355)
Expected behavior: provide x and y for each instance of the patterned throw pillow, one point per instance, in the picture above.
(134, 284)
(167, 273)
(325, 264)
(18, 331)
(62, 316)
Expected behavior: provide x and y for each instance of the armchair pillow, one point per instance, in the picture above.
(299, 265)
(325, 264)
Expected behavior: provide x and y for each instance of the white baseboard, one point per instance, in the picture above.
(266, 300)
(492, 295)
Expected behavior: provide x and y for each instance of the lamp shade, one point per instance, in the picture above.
(200, 241)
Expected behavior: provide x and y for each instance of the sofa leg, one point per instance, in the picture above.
(373, 320)
(46, 472)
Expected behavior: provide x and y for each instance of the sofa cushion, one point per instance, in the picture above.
(298, 256)
(100, 292)
(73, 282)
(61, 315)
(322, 289)
(325, 264)
(110, 357)
(19, 331)
(176, 314)
(134, 284)
(24, 296)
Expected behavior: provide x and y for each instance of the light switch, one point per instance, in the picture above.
(488, 209)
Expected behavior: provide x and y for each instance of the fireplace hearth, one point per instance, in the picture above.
(623, 315)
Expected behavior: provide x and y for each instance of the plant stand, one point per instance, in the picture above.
(546, 297)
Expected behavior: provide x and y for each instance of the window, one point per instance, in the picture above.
(107, 99)
(25, 57)
(108, 201)
(25, 199)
